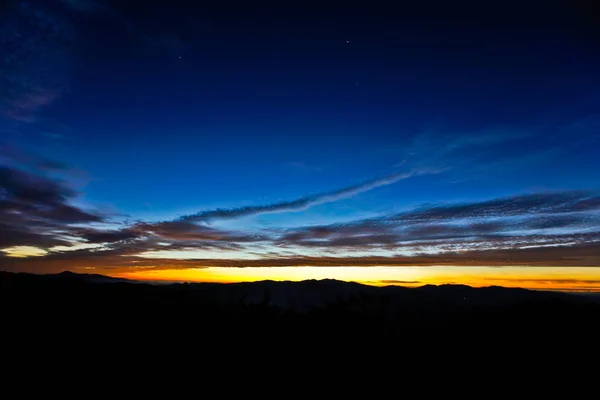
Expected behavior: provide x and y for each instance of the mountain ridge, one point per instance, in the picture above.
(305, 294)
(67, 274)
(278, 314)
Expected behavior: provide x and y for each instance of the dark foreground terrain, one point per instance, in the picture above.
(101, 308)
(91, 314)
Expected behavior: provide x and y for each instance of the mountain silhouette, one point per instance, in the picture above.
(303, 295)
(78, 312)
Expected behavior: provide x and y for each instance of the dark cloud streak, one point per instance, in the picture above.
(126, 259)
(36, 210)
(560, 228)
(517, 221)
(298, 204)
(539, 203)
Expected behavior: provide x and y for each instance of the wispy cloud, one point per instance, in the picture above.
(526, 204)
(496, 151)
(439, 149)
(301, 203)
(10, 155)
(124, 259)
(37, 209)
(35, 41)
(397, 282)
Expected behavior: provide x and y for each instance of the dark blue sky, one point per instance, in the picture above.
(172, 109)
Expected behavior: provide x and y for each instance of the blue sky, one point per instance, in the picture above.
(163, 112)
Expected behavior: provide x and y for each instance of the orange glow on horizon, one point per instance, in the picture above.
(540, 278)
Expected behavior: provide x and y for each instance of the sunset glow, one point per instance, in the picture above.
(542, 278)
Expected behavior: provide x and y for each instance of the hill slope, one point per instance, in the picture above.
(276, 313)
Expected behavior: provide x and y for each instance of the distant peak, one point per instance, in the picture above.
(67, 273)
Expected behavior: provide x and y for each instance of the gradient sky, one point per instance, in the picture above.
(296, 140)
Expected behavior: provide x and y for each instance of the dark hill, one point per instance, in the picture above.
(277, 315)
(303, 295)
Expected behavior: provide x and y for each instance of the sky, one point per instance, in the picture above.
(422, 143)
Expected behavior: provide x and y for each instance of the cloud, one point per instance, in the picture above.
(528, 204)
(298, 204)
(19, 187)
(38, 209)
(126, 259)
(188, 232)
(10, 155)
(107, 236)
(551, 281)
(516, 222)
(460, 233)
(499, 150)
(37, 38)
(35, 41)
(432, 148)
